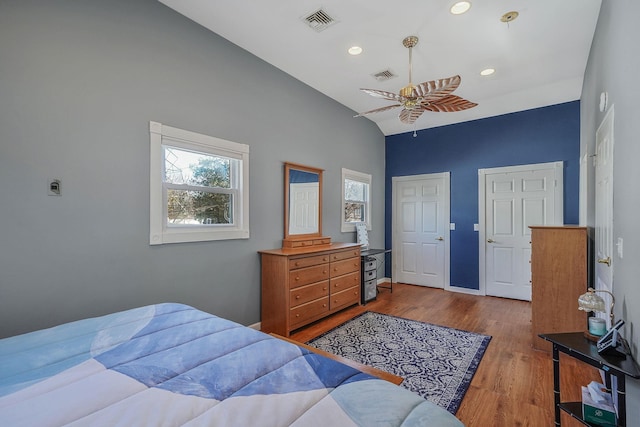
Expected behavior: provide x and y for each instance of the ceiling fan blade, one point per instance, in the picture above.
(448, 104)
(383, 94)
(437, 89)
(410, 116)
(378, 110)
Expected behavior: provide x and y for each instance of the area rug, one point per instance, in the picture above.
(436, 362)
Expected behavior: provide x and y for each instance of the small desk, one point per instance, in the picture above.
(577, 346)
(376, 253)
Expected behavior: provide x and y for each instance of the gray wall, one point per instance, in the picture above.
(613, 67)
(79, 83)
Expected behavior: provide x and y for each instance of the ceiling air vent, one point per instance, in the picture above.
(319, 20)
(384, 75)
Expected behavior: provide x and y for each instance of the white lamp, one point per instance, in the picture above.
(595, 303)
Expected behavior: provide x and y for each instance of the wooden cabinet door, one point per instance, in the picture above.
(558, 278)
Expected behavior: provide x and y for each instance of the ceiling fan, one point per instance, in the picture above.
(434, 95)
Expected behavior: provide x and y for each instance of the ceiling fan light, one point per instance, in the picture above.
(487, 71)
(460, 7)
(410, 104)
(355, 50)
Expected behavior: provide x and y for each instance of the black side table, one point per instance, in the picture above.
(577, 346)
(375, 253)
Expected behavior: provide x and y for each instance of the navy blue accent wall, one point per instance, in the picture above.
(541, 135)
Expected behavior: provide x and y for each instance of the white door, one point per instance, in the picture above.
(604, 207)
(303, 208)
(513, 199)
(421, 229)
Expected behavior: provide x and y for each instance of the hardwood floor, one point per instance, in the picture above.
(513, 385)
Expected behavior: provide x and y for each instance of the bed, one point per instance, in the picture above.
(173, 365)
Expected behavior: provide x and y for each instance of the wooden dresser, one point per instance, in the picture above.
(558, 278)
(302, 285)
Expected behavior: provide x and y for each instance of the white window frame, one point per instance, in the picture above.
(160, 231)
(366, 179)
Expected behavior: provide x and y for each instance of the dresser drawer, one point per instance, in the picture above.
(347, 297)
(343, 282)
(304, 294)
(308, 261)
(308, 312)
(339, 268)
(305, 276)
(351, 253)
(317, 241)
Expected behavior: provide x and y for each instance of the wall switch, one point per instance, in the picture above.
(452, 226)
(54, 187)
(619, 246)
(476, 227)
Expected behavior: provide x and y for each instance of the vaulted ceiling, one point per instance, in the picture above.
(539, 57)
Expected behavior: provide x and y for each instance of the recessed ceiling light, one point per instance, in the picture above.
(355, 50)
(460, 7)
(487, 71)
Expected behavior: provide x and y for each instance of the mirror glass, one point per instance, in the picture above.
(303, 200)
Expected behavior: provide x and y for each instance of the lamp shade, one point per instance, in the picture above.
(591, 302)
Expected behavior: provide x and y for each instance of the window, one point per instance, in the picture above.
(356, 199)
(199, 188)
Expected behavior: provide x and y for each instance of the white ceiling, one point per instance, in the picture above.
(539, 58)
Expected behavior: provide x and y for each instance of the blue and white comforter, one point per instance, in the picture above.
(173, 365)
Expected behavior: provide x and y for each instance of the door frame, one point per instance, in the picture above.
(603, 227)
(482, 174)
(447, 220)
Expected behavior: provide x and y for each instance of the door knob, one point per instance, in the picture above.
(440, 238)
(490, 241)
(606, 260)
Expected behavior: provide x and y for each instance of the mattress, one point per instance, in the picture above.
(173, 365)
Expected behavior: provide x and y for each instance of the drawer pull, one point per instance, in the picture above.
(324, 259)
(324, 305)
(297, 263)
(297, 315)
(324, 289)
(297, 296)
(297, 278)
(324, 271)
(335, 269)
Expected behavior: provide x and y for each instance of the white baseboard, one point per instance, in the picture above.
(255, 326)
(461, 290)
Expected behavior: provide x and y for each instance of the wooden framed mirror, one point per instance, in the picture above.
(302, 206)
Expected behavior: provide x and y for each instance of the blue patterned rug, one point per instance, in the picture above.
(436, 362)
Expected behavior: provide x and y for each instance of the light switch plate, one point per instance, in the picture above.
(619, 246)
(452, 226)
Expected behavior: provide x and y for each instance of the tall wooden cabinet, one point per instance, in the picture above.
(302, 285)
(559, 256)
